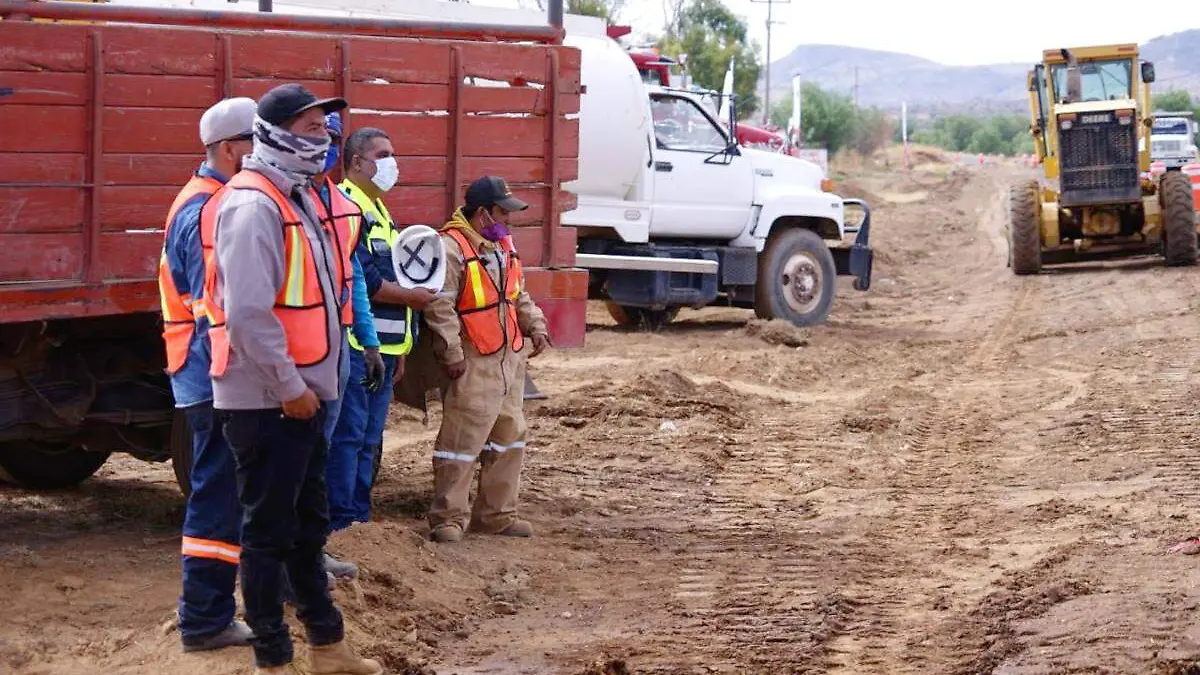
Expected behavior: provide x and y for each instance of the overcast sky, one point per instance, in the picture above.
(940, 30)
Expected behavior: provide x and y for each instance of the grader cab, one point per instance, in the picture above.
(1091, 123)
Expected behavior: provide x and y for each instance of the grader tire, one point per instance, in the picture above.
(1024, 235)
(1179, 219)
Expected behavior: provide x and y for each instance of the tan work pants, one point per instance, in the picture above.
(482, 419)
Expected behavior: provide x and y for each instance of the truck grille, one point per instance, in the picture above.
(1098, 161)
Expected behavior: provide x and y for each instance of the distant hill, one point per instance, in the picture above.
(885, 79)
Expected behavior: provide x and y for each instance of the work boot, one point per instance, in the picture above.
(236, 634)
(447, 533)
(518, 528)
(339, 569)
(339, 659)
(289, 669)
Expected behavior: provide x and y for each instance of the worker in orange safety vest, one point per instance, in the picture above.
(483, 327)
(213, 518)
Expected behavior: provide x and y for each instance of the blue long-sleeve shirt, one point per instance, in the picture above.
(363, 323)
(191, 384)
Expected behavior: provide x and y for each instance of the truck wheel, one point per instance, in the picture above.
(641, 317)
(1179, 219)
(181, 452)
(796, 278)
(47, 466)
(1024, 229)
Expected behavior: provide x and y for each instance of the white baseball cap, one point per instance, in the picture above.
(419, 258)
(228, 119)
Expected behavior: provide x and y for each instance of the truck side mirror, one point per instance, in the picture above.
(1147, 72)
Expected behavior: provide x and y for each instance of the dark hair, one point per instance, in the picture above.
(357, 142)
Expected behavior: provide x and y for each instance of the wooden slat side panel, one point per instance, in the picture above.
(40, 257)
(410, 134)
(152, 130)
(69, 299)
(256, 87)
(284, 57)
(135, 207)
(151, 169)
(19, 167)
(400, 61)
(39, 47)
(562, 284)
(160, 91)
(566, 320)
(43, 88)
(369, 95)
(515, 170)
(528, 241)
(425, 205)
(155, 50)
(40, 210)
(126, 255)
(516, 137)
(507, 62)
(23, 128)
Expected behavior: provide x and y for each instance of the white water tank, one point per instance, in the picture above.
(614, 121)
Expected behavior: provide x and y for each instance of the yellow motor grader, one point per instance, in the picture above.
(1091, 121)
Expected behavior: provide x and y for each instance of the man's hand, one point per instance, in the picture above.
(304, 407)
(418, 298)
(399, 370)
(456, 370)
(541, 342)
(375, 369)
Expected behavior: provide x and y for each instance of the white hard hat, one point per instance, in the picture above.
(419, 258)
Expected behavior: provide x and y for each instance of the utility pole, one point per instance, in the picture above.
(767, 97)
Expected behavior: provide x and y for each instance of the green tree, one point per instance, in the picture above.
(827, 119)
(711, 36)
(1176, 100)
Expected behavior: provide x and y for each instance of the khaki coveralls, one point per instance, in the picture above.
(482, 411)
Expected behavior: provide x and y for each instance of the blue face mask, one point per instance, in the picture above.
(331, 157)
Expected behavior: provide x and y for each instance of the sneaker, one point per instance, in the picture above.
(340, 569)
(448, 533)
(236, 634)
(518, 528)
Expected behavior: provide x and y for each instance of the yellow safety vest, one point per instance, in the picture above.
(393, 323)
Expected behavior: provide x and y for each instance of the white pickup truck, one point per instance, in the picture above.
(672, 213)
(1173, 139)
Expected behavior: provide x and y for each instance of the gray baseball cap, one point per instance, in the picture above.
(229, 119)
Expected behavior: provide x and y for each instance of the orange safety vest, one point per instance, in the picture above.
(300, 304)
(488, 314)
(345, 218)
(178, 308)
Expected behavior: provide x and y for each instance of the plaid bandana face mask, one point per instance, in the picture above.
(298, 157)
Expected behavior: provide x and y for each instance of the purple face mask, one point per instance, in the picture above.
(493, 231)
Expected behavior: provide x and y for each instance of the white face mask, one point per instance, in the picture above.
(386, 173)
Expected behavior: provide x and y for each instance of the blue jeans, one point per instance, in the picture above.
(357, 436)
(212, 526)
(281, 486)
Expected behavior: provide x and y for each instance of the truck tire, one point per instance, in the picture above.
(1024, 229)
(796, 278)
(1179, 219)
(181, 452)
(46, 466)
(641, 317)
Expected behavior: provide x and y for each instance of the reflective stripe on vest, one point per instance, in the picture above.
(393, 323)
(487, 314)
(300, 302)
(345, 219)
(179, 309)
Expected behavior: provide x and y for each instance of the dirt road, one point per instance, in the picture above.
(964, 472)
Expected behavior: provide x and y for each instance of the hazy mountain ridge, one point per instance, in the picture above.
(886, 79)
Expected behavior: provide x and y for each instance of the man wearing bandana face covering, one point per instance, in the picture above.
(482, 321)
(276, 306)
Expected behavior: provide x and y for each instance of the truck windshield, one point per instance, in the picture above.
(1174, 127)
(679, 124)
(1105, 80)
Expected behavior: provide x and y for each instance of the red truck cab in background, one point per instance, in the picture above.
(99, 107)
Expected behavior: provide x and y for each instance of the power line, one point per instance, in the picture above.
(767, 98)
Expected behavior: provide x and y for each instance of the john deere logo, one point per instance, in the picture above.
(1096, 119)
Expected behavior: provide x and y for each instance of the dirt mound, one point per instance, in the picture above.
(852, 189)
(778, 333)
(664, 394)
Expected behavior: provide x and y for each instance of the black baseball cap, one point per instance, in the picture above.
(288, 100)
(493, 191)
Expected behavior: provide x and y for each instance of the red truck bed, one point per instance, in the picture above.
(98, 131)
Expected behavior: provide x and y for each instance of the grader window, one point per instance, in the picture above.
(1101, 80)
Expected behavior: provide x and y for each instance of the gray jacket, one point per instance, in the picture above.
(250, 264)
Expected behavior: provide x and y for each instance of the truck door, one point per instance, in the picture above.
(698, 190)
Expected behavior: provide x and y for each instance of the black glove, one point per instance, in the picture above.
(375, 370)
